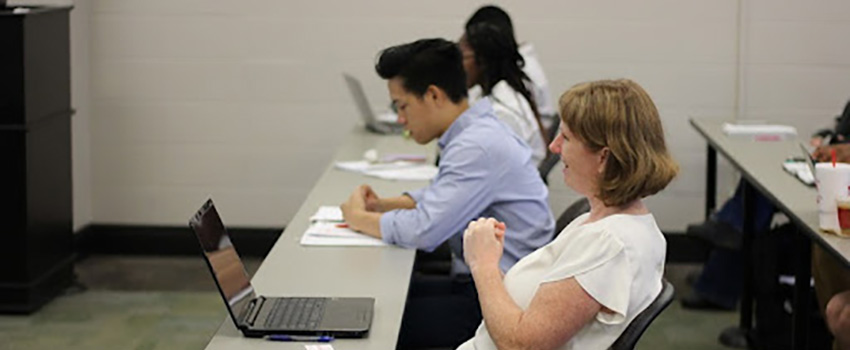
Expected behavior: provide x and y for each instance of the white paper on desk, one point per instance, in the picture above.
(418, 173)
(760, 132)
(327, 213)
(328, 234)
(360, 166)
(801, 170)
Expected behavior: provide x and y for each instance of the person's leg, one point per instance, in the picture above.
(441, 312)
(720, 283)
(725, 226)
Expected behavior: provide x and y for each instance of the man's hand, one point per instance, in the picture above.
(355, 204)
(824, 154)
(373, 202)
(483, 243)
(838, 319)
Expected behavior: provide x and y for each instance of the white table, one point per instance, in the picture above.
(379, 272)
(760, 164)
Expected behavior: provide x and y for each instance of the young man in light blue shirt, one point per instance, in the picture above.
(485, 170)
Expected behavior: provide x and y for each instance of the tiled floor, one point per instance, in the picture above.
(146, 303)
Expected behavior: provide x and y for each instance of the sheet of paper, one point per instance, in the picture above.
(360, 166)
(418, 173)
(331, 234)
(327, 213)
(801, 170)
(318, 347)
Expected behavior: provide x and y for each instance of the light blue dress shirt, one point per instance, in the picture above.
(485, 170)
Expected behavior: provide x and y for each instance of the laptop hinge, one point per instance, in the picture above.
(253, 310)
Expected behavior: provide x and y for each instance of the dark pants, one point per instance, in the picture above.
(722, 276)
(441, 312)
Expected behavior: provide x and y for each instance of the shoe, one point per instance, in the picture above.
(692, 277)
(693, 301)
(716, 233)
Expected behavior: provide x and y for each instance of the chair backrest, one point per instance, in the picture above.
(547, 164)
(633, 332)
(551, 159)
(578, 207)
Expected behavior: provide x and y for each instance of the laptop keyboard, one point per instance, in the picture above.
(296, 313)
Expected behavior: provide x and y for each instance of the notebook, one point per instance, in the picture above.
(257, 316)
(366, 113)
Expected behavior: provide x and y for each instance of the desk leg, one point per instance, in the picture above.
(742, 336)
(802, 291)
(710, 181)
(747, 247)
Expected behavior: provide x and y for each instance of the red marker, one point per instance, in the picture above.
(342, 225)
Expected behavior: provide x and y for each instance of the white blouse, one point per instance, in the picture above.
(618, 260)
(515, 111)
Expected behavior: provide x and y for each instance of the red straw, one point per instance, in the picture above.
(832, 153)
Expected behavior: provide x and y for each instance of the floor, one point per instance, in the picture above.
(147, 303)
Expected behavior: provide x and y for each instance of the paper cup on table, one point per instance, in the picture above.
(842, 204)
(833, 182)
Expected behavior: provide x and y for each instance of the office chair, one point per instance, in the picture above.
(635, 329)
(551, 159)
(578, 207)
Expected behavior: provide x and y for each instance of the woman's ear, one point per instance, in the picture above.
(604, 153)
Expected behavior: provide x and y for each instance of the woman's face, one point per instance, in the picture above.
(469, 64)
(582, 166)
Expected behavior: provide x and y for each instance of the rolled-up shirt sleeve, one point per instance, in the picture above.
(460, 193)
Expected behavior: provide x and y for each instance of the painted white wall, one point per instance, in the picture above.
(244, 100)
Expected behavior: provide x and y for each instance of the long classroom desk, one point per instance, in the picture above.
(379, 272)
(760, 164)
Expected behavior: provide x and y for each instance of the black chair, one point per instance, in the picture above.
(551, 159)
(633, 332)
(578, 207)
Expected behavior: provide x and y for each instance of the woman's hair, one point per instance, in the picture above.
(620, 115)
(498, 58)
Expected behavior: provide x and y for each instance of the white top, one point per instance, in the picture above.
(540, 86)
(515, 111)
(618, 260)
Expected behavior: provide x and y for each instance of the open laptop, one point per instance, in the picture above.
(366, 113)
(258, 316)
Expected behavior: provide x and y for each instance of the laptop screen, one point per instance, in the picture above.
(230, 275)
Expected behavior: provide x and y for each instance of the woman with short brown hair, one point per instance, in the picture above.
(581, 290)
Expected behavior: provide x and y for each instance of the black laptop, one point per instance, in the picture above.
(258, 316)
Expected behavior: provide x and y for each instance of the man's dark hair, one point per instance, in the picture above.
(423, 63)
(493, 15)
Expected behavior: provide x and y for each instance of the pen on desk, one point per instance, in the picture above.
(304, 338)
(342, 225)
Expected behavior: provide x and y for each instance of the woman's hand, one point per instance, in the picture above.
(483, 243)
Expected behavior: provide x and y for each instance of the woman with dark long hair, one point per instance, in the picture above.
(494, 70)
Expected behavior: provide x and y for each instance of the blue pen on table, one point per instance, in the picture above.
(304, 338)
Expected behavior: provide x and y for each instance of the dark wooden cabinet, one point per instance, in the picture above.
(36, 237)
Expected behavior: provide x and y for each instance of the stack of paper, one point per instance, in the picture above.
(801, 170)
(330, 213)
(327, 229)
(760, 132)
(331, 234)
(399, 170)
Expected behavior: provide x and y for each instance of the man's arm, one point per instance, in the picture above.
(362, 211)
(383, 205)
